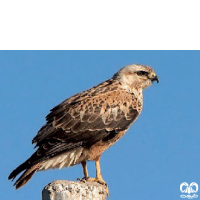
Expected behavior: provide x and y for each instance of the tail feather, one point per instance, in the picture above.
(26, 176)
(23, 179)
(18, 170)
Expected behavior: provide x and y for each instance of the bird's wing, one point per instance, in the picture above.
(87, 118)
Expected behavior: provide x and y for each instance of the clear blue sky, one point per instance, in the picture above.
(158, 153)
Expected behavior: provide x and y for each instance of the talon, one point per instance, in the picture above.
(101, 181)
(90, 179)
(82, 179)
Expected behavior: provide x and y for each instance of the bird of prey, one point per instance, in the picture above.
(83, 126)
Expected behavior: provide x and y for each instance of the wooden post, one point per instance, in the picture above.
(74, 190)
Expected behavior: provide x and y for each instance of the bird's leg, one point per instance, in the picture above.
(99, 178)
(85, 171)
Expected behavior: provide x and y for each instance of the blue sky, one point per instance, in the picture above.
(159, 151)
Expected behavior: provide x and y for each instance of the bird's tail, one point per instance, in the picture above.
(25, 177)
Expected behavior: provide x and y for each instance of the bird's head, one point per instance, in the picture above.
(138, 76)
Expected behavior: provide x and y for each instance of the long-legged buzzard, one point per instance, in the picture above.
(83, 126)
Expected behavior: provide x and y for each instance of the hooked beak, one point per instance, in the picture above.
(155, 78)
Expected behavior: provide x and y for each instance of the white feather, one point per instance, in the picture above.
(65, 159)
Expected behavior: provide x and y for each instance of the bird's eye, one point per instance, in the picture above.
(142, 73)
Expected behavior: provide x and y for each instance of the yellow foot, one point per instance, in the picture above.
(100, 181)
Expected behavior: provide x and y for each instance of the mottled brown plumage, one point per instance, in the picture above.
(82, 127)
